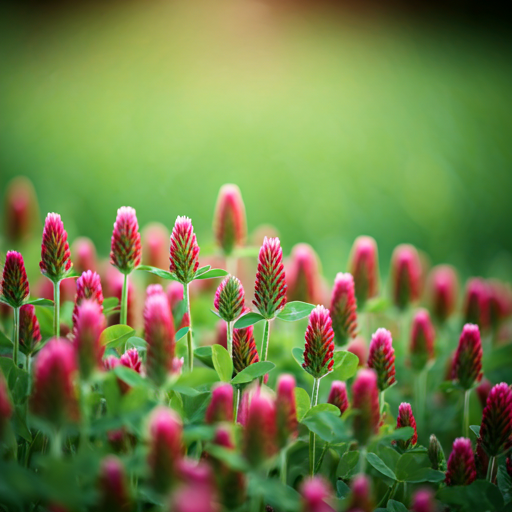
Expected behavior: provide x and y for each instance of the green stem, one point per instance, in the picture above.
(490, 468)
(420, 391)
(465, 420)
(190, 351)
(124, 302)
(264, 345)
(283, 470)
(16, 336)
(56, 444)
(382, 401)
(56, 309)
(362, 460)
(230, 339)
(321, 458)
(237, 403)
(312, 437)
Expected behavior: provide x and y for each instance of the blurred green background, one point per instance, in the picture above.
(334, 123)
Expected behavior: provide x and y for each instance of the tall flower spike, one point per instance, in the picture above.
(21, 209)
(54, 395)
(443, 286)
(461, 469)
(303, 275)
(365, 399)
(364, 266)
(6, 408)
(319, 348)
(84, 255)
(423, 500)
(381, 358)
(14, 286)
(406, 275)
(114, 495)
(220, 407)
(270, 285)
(229, 220)
(229, 299)
(476, 303)
(436, 454)
(159, 333)
(343, 309)
(165, 448)
(155, 245)
(496, 427)
(467, 362)
(286, 409)
(30, 333)
(244, 348)
(88, 287)
(125, 248)
(422, 340)
(184, 251)
(405, 418)
(314, 491)
(55, 255)
(338, 395)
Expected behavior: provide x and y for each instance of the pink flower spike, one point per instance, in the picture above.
(220, 407)
(21, 209)
(155, 245)
(422, 340)
(461, 463)
(229, 299)
(405, 418)
(338, 395)
(30, 333)
(358, 347)
(365, 399)
(443, 287)
(423, 500)
(467, 362)
(476, 303)
(229, 220)
(6, 408)
(184, 251)
(314, 491)
(14, 286)
(406, 275)
(244, 348)
(270, 285)
(55, 255)
(344, 309)
(303, 275)
(286, 409)
(364, 266)
(88, 287)
(125, 248)
(113, 486)
(382, 358)
(84, 255)
(319, 348)
(360, 498)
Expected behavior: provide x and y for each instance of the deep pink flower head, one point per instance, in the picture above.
(270, 285)
(5, 406)
(343, 308)
(220, 407)
(125, 247)
(259, 441)
(229, 299)
(461, 468)
(483, 390)
(153, 289)
(165, 447)
(229, 220)
(14, 286)
(476, 303)
(365, 398)
(114, 288)
(54, 395)
(381, 358)
(406, 275)
(303, 275)
(500, 302)
(84, 255)
(114, 495)
(319, 348)
(361, 496)
(364, 266)
(422, 340)
(467, 362)
(88, 287)
(131, 359)
(443, 288)
(90, 323)
(496, 427)
(244, 348)
(55, 255)
(405, 418)
(423, 500)
(184, 251)
(30, 333)
(358, 347)
(21, 209)
(286, 409)
(338, 395)
(159, 334)
(314, 491)
(155, 245)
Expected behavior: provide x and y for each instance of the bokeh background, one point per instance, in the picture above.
(334, 119)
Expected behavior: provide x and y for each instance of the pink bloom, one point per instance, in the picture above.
(405, 418)
(131, 359)
(382, 358)
(338, 395)
(88, 287)
(461, 463)
(344, 308)
(229, 299)
(358, 347)
(14, 287)
(30, 333)
(406, 275)
(155, 245)
(422, 340)
(125, 248)
(153, 289)
(221, 404)
(113, 486)
(21, 210)
(184, 251)
(55, 255)
(364, 266)
(286, 409)
(467, 362)
(365, 398)
(303, 275)
(443, 286)
(6, 408)
(360, 499)
(476, 303)
(314, 491)
(244, 348)
(500, 302)
(84, 255)
(423, 500)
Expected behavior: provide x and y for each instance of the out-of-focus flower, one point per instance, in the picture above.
(482, 391)
(500, 302)
(319, 348)
(442, 291)
(126, 250)
(30, 333)
(244, 348)
(88, 287)
(114, 495)
(84, 255)
(358, 347)
(467, 362)
(314, 491)
(130, 359)
(286, 409)
(360, 497)
(461, 468)
(382, 358)
(155, 245)
(220, 407)
(406, 275)
(184, 251)
(422, 340)
(436, 454)
(303, 275)
(229, 299)
(5, 406)
(21, 209)
(14, 286)
(55, 255)
(476, 303)
(343, 308)
(365, 399)
(338, 395)
(405, 418)
(423, 500)
(364, 266)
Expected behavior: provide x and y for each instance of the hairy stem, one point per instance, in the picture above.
(56, 309)
(230, 339)
(312, 436)
(16, 336)
(237, 402)
(490, 468)
(264, 345)
(124, 301)
(283, 469)
(465, 419)
(190, 350)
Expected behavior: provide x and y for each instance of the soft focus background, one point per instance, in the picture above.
(335, 121)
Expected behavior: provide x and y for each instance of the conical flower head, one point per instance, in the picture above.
(6, 408)
(55, 255)
(360, 497)
(405, 418)
(54, 395)
(114, 495)
(319, 348)
(244, 348)
(423, 500)
(229, 220)
(476, 303)
(88, 287)
(303, 275)
(343, 309)
(461, 469)
(84, 255)
(286, 409)
(184, 251)
(364, 266)
(496, 427)
(125, 248)
(314, 491)
(220, 407)
(229, 299)
(443, 286)
(338, 395)
(467, 362)
(436, 454)
(159, 334)
(381, 358)
(406, 275)
(155, 245)
(165, 448)
(422, 340)
(365, 399)
(270, 285)
(21, 209)
(14, 286)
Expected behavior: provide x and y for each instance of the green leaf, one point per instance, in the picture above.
(342, 489)
(399, 434)
(380, 466)
(222, 363)
(327, 426)
(302, 402)
(298, 355)
(331, 409)
(475, 429)
(248, 319)
(252, 372)
(116, 335)
(110, 302)
(345, 365)
(6, 365)
(481, 495)
(164, 274)
(40, 302)
(45, 318)
(448, 386)
(6, 345)
(377, 305)
(202, 270)
(505, 483)
(229, 456)
(181, 333)
(212, 273)
(295, 310)
(131, 377)
(396, 506)
(198, 377)
(136, 342)
(348, 464)
(185, 390)
(415, 467)
(204, 354)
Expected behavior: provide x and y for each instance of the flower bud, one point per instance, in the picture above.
(155, 245)
(364, 266)
(130, 359)
(358, 348)
(443, 287)
(467, 362)
(286, 410)
(461, 468)
(436, 454)
(361, 496)
(406, 275)
(303, 275)
(21, 209)
(113, 486)
(55, 255)
(184, 251)
(6, 408)
(319, 348)
(338, 395)
(14, 286)
(30, 333)
(423, 500)
(84, 255)
(343, 309)
(405, 418)
(365, 399)
(476, 303)
(244, 348)
(125, 249)
(382, 358)
(314, 491)
(422, 340)
(229, 299)
(220, 407)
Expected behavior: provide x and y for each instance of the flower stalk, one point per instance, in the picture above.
(312, 435)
